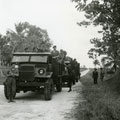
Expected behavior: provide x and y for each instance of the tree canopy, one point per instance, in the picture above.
(105, 13)
(30, 37)
(24, 37)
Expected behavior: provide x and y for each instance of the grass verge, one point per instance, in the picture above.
(102, 101)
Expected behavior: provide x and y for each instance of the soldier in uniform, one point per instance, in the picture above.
(11, 88)
(55, 52)
(11, 85)
(71, 76)
(95, 76)
(73, 71)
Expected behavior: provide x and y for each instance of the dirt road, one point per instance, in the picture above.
(32, 106)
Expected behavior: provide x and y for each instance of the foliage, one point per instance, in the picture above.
(6, 52)
(30, 37)
(96, 62)
(103, 13)
(93, 55)
(3, 43)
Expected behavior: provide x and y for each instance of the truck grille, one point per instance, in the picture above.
(27, 72)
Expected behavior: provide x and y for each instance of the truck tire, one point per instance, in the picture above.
(48, 90)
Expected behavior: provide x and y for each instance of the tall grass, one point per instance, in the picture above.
(102, 100)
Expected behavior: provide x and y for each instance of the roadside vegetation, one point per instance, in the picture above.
(3, 72)
(102, 101)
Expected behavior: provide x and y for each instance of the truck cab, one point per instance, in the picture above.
(32, 72)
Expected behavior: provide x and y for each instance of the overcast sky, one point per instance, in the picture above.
(58, 17)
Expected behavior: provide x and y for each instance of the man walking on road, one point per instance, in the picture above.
(71, 76)
(95, 76)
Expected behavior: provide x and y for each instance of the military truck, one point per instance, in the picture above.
(34, 72)
(65, 75)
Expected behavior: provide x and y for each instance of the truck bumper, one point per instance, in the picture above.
(32, 84)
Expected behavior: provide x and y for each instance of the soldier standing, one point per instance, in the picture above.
(73, 71)
(55, 52)
(95, 76)
(71, 77)
(11, 88)
(11, 85)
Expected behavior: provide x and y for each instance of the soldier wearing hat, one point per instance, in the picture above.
(11, 83)
(55, 52)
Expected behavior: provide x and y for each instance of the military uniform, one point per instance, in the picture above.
(95, 76)
(11, 83)
(11, 88)
(71, 77)
(73, 72)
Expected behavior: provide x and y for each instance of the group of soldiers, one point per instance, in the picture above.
(60, 56)
(72, 66)
(95, 75)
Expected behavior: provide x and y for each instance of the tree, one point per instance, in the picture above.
(6, 54)
(3, 43)
(105, 13)
(28, 36)
(93, 55)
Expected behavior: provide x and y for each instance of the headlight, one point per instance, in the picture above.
(41, 71)
(16, 66)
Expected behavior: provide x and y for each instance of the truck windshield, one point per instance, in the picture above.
(20, 59)
(42, 59)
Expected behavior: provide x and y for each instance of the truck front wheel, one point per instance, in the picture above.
(48, 90)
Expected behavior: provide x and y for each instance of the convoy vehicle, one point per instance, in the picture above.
(35, 72)
(65, 75)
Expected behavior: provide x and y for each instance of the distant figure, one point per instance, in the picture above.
(73, 71)
(35, 49)
(95, 76)
(70, 78)
(101, 74)
(26, 49)
(55, 52)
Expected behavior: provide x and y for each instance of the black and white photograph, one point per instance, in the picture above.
(59, 59)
